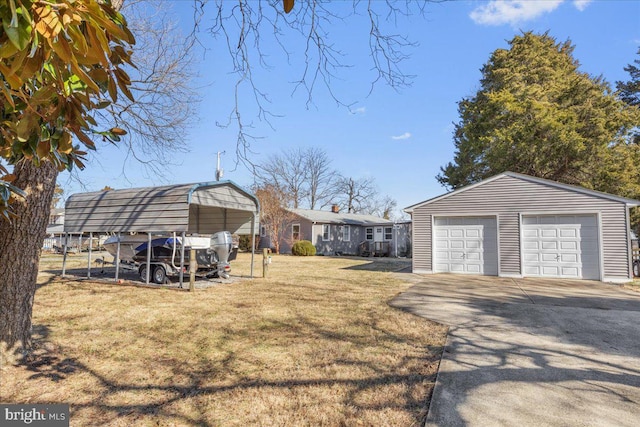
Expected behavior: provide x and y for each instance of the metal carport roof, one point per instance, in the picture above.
(203, 208)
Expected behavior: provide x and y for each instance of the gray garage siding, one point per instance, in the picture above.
(421, 241)
(509, 243)
(508, 197)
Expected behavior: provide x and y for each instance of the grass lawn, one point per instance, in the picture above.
(313, 344)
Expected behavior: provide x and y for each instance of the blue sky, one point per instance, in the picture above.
(400, 138)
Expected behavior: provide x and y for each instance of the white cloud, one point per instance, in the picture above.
(359, 111)
(498, 12)
(405, 135)
(581, 4)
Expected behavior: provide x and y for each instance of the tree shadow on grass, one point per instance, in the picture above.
(44, 359)
(165, 401)
(384, 265)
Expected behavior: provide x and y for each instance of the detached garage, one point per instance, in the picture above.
(514, 225)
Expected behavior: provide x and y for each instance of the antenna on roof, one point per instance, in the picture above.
(219, 170)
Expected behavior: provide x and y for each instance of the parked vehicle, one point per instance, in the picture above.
(213, 254)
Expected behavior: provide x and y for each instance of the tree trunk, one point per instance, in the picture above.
(20, 245)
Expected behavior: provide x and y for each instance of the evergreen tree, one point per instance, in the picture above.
(536, 113)
(629, 91)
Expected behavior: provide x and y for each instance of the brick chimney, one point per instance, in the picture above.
(335, 208)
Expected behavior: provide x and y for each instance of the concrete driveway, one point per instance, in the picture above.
(532, 352)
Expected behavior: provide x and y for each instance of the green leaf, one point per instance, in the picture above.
(19, 34)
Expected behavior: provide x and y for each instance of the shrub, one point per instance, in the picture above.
(244, 243)
(303, 248)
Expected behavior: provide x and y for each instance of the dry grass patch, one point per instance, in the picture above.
(634, 286)
(314, 344)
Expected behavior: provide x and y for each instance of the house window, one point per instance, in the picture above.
(295, 232)
(346, 233)
(326, 233)
(388, 233)
(369, 233)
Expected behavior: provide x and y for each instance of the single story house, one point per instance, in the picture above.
(336, 233)
(514, 225)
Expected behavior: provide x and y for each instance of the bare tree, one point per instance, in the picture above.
(162, 82)
(274, 213)
(286, 173)
(304, 174)
(319, 178)
(356, 195)
(248, 25)
(385, 207)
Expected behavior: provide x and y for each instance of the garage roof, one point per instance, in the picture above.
(203, 208)
(599, 194)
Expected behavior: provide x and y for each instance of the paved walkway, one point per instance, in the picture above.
(529, 352)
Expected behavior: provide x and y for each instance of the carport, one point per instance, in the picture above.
(200, 208)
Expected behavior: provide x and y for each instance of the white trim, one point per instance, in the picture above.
(365, 234)
(520, 240)
(410, 209)
(598, 216)
(433, 241)
(561, 213)
(616, 280)
(541, 181)
(459, 215)
(422, 271)
(601, 244)
(498, 243)
(511, 276)
(328, 232)
(384, 234)
(627, 215)
(575, 188)
(346, 228)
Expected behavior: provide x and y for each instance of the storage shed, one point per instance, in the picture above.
(514, 225)
(200, 208)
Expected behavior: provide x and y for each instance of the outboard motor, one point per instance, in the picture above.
(222, 245)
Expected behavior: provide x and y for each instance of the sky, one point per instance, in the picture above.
(400, 138)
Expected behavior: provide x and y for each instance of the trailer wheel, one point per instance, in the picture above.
(142, 272)
(636, 268)
(159, 275)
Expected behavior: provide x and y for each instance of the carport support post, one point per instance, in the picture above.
(148, 259)
(89, 255)
(183, 236)
(253, 242)
(118, 257)
(192, 270)
(64, 254)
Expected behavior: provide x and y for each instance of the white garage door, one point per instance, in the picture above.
(561, 246)
(465, 245)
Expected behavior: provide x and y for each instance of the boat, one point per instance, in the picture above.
(132, 244)
(213, 254)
